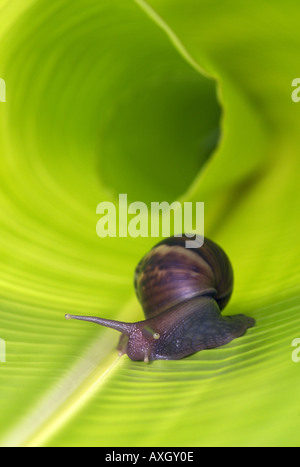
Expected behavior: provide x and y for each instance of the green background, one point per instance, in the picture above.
(161, 100)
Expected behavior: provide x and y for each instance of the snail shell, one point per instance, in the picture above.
(182, 292)
(170, 274)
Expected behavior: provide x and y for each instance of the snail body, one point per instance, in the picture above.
(182, 292)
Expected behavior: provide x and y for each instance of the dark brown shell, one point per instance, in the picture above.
(171, 273)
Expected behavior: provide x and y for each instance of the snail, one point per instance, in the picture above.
(182, 292)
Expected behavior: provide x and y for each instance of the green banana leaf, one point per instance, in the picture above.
(161, 100)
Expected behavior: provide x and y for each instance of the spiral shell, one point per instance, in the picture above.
(170, 274)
